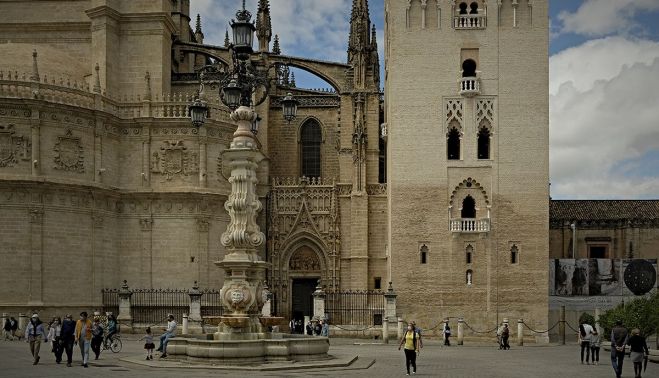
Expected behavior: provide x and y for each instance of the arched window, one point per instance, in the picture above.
(423, 256)
(514, 254)
(310, 140)
(484, 143)
(468, 252)
(453, 144)
(473, 8)
(468, 208)
(463, 8)
(469, 68)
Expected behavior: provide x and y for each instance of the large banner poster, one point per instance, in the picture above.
(590, 277)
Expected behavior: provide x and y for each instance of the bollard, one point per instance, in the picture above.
(185, 324)
(561, 325)
(385, 331)
(461, 331)
(22, 322)
(520, 332)
(401, 328)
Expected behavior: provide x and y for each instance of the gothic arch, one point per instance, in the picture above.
(308, 68)
(303, 239)
(298, 132)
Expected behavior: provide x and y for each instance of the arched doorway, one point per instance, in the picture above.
(304, 272)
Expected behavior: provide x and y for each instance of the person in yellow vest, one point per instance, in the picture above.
(84, 336)
(411, 341)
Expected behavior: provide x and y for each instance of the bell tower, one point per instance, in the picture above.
(467, 108)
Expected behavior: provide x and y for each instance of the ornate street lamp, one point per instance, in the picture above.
(198, 111)
(243, 33)
(289, 107)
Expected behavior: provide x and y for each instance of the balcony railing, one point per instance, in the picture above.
(470, 225)
(470, 86)
(470, 21)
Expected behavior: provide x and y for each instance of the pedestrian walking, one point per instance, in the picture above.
(148, 343)
(309, 328)
(505, 335)
(55, 337)
(83, 337)
(325, 328)
(595, 342)
(317, 328)
(68, 335)
(291, 325)
(638, 349)
(418, 331)
(447, 333)
(170, 332)
(97, 337)
(6, 330)
(14, 328)
(585, 332)
(619, 338)
(34, 333)
(411, 342)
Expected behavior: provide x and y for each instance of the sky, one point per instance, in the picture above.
(603, 82)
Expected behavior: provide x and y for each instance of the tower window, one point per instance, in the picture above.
(424, 254)
(484, 143)
(469, 68)
(377, 283)
(311, 139)
(463, 8)
(453, 144)
(468, 253)
(468, 208)
(473, 8)
(514, 254)
(382, 161)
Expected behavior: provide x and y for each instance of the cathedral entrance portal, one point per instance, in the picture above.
(302, 302)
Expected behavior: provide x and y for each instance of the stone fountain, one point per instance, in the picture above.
(243, 336)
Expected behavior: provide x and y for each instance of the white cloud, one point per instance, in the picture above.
(604, 116)
(319, 28)
(604, 17)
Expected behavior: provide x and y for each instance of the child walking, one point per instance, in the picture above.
(148, 343)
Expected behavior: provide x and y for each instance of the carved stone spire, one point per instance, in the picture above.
(360, 46)
(275, 46)
(264, 25)
(35, 67)
(198, 34)
(226, 38)
(292, 80)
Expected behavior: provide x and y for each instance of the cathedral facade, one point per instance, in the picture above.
(103, 178)
(441, 188)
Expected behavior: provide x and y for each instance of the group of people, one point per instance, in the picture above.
(590, 342)
(319, 328)
(64, 334)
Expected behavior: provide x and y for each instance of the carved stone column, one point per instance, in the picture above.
(99, 170)
(203, 225)
(35, 139)
(319, 303)
(242, 293)
(203, 159)
(36, 256)
(390, 308)
(97, 257)
(146, 158)
(125, 317)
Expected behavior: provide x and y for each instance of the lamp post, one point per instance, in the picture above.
(241, 89)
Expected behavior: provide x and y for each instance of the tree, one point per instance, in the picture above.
(640, 313)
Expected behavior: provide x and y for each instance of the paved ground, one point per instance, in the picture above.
(434, 361)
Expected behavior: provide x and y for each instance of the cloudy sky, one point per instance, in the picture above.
(604, 82)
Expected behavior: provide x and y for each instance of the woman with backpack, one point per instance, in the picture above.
(411, 341)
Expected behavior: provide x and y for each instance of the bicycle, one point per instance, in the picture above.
(113, 343)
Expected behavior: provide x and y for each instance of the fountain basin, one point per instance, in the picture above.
(239, 352)
(269, 321)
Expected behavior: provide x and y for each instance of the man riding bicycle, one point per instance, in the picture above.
(112, 329)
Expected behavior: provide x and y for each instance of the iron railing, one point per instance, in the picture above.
(110, 301)
(151, 306)
(211, 304)
(355, 307)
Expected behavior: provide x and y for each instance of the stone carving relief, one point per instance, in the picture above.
(12, 147)
(69, 153)
(485, 112)
(454, 112)
(304, 259)
(174, 159)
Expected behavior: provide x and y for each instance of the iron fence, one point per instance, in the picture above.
(110, 301)
(349, 307)
(151, 306)
(211, 304)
